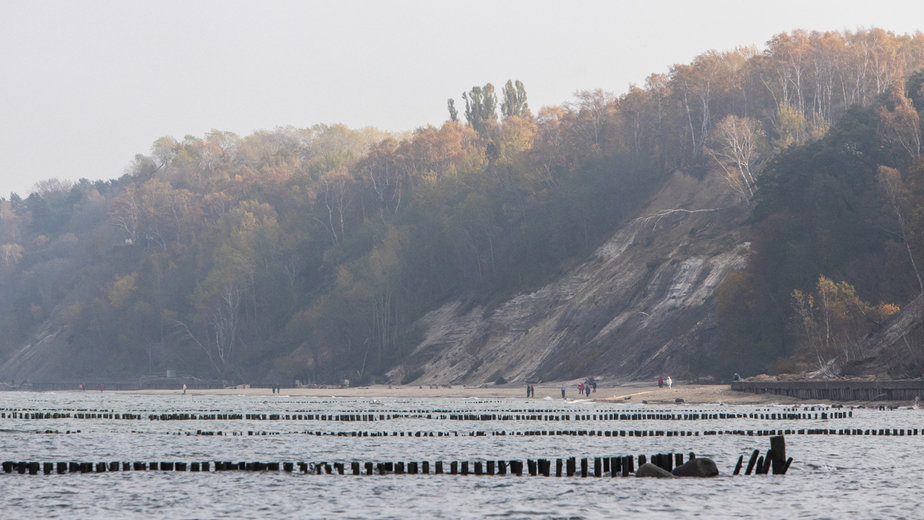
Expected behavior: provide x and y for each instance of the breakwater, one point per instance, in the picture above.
(841, 390)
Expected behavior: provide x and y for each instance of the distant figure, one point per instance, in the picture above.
(81, 387)
(594, 384)
(587, 390)
(562, 391)
(101, 387)
(528, 391)
(581, 389)
(669, 382)
(184, 388)
(736, 377)
(532, 390)
(660, 382)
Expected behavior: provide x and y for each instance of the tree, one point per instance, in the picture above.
(899, 123)
(890, 180)
(480, 107)
(591, 115)
(834, 320)
(514, 101)
(453, 113)
(736, 145)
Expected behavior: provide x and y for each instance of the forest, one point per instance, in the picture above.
(310, 253)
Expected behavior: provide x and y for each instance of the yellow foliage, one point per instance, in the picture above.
(121, 290)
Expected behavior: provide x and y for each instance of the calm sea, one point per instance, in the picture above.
(832, 476)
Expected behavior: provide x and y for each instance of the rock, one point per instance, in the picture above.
(650, 470)
(698, 467)
(678, 400)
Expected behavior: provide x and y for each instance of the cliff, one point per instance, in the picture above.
(642, 305)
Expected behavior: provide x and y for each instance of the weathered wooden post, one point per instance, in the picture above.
(738, 465)
(751, 462)
(777, 454)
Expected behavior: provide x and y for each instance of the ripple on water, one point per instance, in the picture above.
(832, 476)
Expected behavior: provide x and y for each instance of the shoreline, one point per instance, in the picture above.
(632, 393)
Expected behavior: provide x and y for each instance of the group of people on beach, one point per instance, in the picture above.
(662, 382)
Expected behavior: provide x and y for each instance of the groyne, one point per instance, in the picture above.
(839, 390)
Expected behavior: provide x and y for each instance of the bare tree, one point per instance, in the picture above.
(736, 142)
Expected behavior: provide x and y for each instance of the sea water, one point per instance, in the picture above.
(831, 476)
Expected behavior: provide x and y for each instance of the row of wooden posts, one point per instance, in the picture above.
(888, 432)
(570, 467)
(896, 432)
(594, 467)
(371, 417)
(613, 466)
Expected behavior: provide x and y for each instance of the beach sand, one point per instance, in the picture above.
(634, 393)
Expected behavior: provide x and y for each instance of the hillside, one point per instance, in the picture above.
(751, 211)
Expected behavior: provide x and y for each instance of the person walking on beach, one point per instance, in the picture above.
(562, 391)
(528, 391)
(660, 382)
(669, 382)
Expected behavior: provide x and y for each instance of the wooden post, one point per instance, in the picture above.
(738, 465)
(778, 449)
(751, 462)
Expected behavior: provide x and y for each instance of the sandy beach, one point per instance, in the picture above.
(630, 393)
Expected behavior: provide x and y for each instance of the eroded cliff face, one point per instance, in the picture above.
(642, 305)
(893, 351)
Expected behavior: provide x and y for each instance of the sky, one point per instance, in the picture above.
(87, 84)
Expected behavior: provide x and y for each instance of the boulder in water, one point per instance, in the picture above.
(650, 470)
(698, 467)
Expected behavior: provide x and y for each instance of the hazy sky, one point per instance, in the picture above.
(87, 84)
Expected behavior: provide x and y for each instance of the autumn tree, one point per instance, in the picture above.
(736, 147)
(899, 122)
(834, 321)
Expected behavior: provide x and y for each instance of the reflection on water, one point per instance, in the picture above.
(832, 476)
